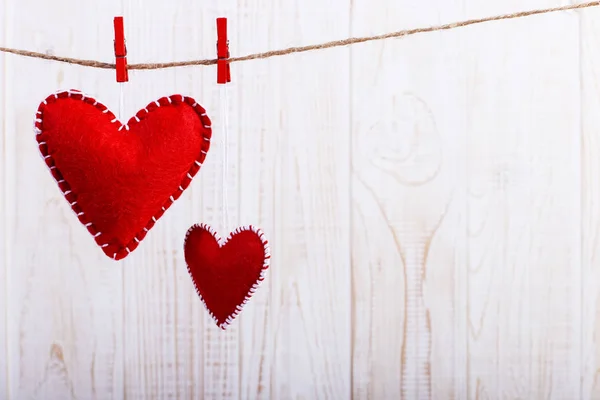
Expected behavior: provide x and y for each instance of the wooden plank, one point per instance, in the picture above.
(222, 356)
(169, 337)
(294, 145)
(408, 216)
(523, 166)
(590, 218)
(222, 349)
(6, 142)
(64, 315)
(260, 137)
(311, 292)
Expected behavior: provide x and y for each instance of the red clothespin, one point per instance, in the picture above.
(223, 69)
(120, 51)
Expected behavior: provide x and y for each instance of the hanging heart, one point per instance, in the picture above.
(120, 179)
(226, 273)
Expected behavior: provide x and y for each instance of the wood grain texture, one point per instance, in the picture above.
(172, 348)
(5, 198)
(259, 194)
(408, 206)
(295, 338)
(524, 213)
(430, 204)
(65, 305)
(590, 162)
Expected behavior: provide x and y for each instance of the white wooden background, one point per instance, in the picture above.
(433, 205)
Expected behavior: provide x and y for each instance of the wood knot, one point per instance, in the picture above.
(407, 145)
(56, 352)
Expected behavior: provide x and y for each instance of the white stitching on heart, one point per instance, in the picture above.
(49, 161)
(267, 256)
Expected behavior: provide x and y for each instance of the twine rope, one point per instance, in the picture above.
(301, 49)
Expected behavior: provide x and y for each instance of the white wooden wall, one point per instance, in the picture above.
(433, 205)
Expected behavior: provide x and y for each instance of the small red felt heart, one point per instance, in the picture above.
(120, 179)
(226, 273)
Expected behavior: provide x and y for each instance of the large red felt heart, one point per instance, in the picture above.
(226, 272)
(120, 179)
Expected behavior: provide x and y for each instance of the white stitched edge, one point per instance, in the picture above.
(221, 242)
(38, 119)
